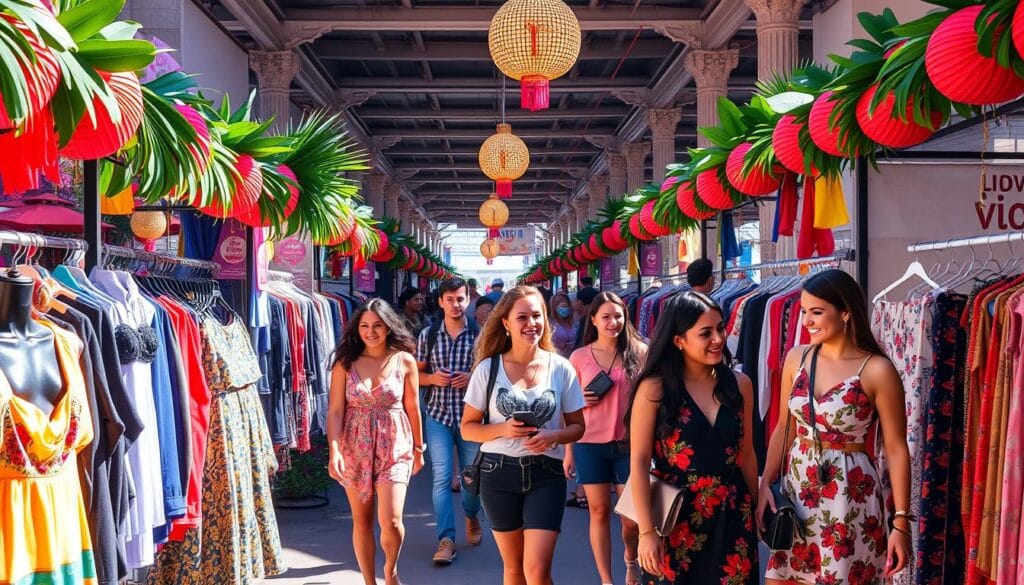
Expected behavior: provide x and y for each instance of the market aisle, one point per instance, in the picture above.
(318, 550)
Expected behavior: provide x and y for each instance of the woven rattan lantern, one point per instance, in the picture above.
(493, 214)
(148, 227)
(504, 158)
(533, 42)
(489, 249)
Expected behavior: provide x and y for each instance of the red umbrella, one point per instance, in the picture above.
(46, 217)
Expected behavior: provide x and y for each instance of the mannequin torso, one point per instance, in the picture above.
(28, 358)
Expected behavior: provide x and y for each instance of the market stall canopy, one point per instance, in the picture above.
(48, 216)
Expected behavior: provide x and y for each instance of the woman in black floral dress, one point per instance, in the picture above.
(691, 415)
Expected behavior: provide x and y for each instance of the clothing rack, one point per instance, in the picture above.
(212, 267)
(845, 255)
(24, 239)
(986, 240)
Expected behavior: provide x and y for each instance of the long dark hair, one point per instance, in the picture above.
(664, 361)
(352, 346)
(840, 290)
(628, 343)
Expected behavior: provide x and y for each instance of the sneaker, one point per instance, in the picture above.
(474, 534)
(445, 552)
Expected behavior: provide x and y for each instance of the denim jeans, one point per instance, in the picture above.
(441, 440)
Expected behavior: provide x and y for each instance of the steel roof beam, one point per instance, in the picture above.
(349, 50)
(472, 85)
(469, 18)
(456, 134)
(490, 114)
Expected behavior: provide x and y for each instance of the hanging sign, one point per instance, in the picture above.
(650, 259)
(294, 255)
(366, 279)
(607, 273)
(230, 251)
(516, 241)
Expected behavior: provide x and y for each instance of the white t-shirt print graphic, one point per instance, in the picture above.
(560, 393)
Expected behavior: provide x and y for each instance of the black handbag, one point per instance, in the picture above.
(471, 473)
(602, 382)
(783, 526)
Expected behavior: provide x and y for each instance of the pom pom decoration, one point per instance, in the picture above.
(757, 182)
(786, 142)
(248, 187)
(886, 128)
(1017, 29)
(822, 134)
(685, 201)
(254, 218)
(41, 77)
(637, 229)
(711, 190)
(649, 223)
(105, 137)
(960, 72)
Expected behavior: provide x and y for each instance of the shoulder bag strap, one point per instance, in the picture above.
(432, 334)
(492, 377)
(789, 415)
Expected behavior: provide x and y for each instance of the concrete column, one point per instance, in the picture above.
(373, 187)
(392, 194)
(405, 216)
(597, 190)
(616, 173)
(635, 154)
(778, 50)
(582, 213)
(274, 73)
(570, 222)
(663, 123)
(710, 70)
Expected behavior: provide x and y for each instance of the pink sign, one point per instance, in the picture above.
(294, 255)
(607, 273)
(650, 259)
(230, 251)
(366, 279)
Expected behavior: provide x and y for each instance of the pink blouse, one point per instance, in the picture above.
(605, 420)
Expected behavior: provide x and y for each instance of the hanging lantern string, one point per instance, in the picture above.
(502, 105)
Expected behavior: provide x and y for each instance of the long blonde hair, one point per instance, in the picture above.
(494, 340)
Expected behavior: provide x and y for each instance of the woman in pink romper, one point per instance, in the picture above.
(374, 430)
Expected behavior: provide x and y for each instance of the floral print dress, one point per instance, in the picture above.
(714, 541)
(843, 514)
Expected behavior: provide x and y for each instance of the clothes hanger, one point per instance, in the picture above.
(915, 268)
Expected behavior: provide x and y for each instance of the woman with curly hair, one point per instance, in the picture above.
(374, 430)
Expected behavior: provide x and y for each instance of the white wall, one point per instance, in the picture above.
(221, 66)
(836, 26)
(911, 203)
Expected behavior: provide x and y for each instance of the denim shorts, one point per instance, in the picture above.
(598, 463)
(522, 492)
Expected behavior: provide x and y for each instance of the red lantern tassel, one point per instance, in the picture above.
(503, 187)
(534, 93)
(493, 233)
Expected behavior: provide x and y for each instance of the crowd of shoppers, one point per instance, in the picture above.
(502, 402)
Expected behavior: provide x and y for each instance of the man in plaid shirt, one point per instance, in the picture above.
(444, 374)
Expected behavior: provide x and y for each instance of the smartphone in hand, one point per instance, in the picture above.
(527, 417)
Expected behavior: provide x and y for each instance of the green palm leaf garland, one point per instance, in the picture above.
(321, 155)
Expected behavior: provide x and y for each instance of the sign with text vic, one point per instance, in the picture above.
(912, 203)
(516, 241)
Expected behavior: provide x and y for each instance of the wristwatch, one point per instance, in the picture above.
(422, 447)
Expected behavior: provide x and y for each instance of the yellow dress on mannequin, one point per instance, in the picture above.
(44, 532)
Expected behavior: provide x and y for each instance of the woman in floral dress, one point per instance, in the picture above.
(691, 415)
(829, 477)
(374, 430)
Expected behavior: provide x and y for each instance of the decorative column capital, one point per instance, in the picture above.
(711, 69)
(616, 162)
(351, 98)
(274, 69)
(633, 97)
(663, 122)
(582, 206)
(691, 34)
(635, 153)
(597, 186)
(776, 13)
(404, 208)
